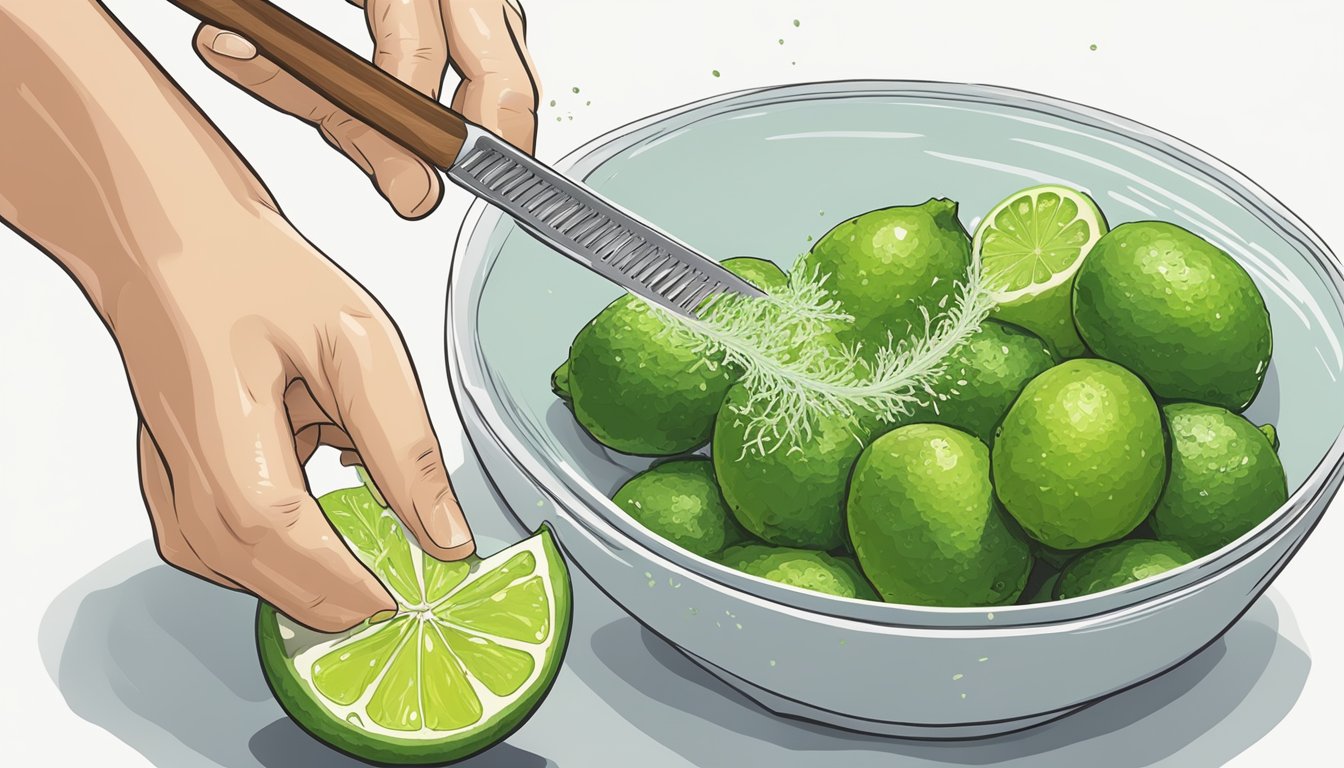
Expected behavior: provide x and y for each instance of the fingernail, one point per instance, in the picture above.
(381, 616)
(449, 529)
(233, 46)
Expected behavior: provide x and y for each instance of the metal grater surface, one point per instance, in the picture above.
(577, 222)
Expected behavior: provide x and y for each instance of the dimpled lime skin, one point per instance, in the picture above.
(983, 378)
(680, 501)
(641, 390)
(884, 265)
(1081, 456)
(794, 495)
(803, 568)
(1225, 478)
(1118, 564)
(1177, 311)
(924, 523)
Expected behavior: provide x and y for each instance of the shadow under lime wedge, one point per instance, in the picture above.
(472, 651)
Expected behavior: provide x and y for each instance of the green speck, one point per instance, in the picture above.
(772, 662)
(552, 102)
(541, 502)
(575, 89)
(989, 616)
(587, 103)
(958, 676)
(809, 238)
(781, 41)
(715, 73)
(984, 658)
(963, 695)
(1093, 46)
(558, 119)
(796, 23)
(571, 117)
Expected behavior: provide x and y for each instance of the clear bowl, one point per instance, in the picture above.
(760, 173)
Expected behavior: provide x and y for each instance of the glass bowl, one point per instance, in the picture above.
(761, 173)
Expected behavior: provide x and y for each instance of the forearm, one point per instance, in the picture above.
(104, 164)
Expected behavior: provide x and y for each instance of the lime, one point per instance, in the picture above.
(792, 495)
(1177, 311)
(925, 525)
(1080, 458)
(802, 568)
(1030, 246)
(1118, 564)
(983, 378)
(638, 388)
(1225, 478)
(560, 382)
(473, 649)
(885, 265)
(680, 501)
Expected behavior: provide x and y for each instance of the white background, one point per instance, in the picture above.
(1255, 84)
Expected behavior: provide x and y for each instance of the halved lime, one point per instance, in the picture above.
(1030, 246)
(473, 649)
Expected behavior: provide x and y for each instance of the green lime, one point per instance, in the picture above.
(1080, 458)
(983, 378)
(1177, 311)
(473, 649)
(560, 382)
(1225, 478)
(1030, 246)
(792, 494)
(885, 265)
(680, 501)
(1118, 564)
(640, 389)
(924, 523)
(802, 568)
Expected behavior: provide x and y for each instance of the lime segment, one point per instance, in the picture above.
(1030, 246)
(474, 648)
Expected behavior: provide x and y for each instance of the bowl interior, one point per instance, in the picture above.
(765, 173)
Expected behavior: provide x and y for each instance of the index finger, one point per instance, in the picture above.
(488, 50)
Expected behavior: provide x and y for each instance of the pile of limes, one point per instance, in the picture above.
(1087, 436)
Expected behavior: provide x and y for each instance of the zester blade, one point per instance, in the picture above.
(595, 232)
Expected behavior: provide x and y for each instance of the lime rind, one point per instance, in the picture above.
(1036, 239)
(442, 688)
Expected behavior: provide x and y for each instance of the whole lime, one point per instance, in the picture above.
(1080, 458)
(803, 568)
(1177, 311)
(924, 523)
(1118, 564)
(885, 265)
(639, 388)
(792, 495)
(680, 501)
(1225, 478)
(983, 377)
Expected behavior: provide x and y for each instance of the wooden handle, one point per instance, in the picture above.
(423, 125)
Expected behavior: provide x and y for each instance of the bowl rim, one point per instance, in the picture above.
(591, 509)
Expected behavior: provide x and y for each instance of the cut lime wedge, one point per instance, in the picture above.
(473, 649)
(1030, 246)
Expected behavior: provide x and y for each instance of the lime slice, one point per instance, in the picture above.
(1030, 246)
(473, 649)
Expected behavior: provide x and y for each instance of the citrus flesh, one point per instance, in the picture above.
(473, 649)
(1031, 244)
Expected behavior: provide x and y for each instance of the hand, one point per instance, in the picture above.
(414, 40)
(244, 355)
